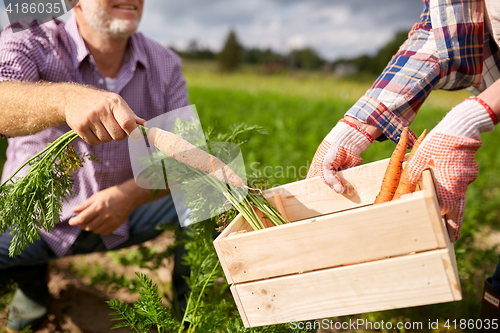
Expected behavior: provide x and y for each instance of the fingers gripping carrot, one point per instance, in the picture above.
(394, 169)
(405, 186)
(187, 153)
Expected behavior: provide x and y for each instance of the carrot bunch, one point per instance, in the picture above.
(396, 179)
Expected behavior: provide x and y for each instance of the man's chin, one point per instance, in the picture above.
(122, 28)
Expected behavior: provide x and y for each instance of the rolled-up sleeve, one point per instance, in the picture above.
(413, 72)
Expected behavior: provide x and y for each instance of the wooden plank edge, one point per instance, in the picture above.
(451, 268)
(343, 212)
(278, 204)
(223, 262)
(239, 306)
(236, 225)
(431, 199)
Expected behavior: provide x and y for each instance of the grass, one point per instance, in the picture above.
(298, 109)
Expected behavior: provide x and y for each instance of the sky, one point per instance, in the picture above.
(334, 28)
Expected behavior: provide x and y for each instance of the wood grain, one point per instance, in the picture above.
(374, 286)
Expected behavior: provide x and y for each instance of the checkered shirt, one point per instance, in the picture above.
(447, 49)
(150, 81)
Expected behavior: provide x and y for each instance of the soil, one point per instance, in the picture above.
(77, 307)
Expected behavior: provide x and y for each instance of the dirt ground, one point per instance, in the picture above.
(78, 308)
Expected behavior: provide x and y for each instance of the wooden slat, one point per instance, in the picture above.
(367, 233)
(435, 217)
(239, 223)
(400, 282)
(311, 197)
(450, 265)
(239, 306)
(441, 232)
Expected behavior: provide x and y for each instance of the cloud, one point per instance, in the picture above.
(335, 28)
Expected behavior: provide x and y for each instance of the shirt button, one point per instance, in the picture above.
(106, 163)
(101, 81)
(64, 245)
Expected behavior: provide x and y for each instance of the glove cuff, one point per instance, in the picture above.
(468, 119)
(350, 136)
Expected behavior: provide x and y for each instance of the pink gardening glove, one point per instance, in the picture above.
(339, 150)
(449, 151)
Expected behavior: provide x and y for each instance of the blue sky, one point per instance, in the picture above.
(335, 28)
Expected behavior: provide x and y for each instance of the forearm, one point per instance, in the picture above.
(138, 195)
(491, 96)
(28, 108)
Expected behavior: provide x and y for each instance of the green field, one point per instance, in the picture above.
(299, 108)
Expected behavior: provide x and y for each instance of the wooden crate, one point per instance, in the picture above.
(341, 255)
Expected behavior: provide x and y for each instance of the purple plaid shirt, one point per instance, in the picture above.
(150, 81)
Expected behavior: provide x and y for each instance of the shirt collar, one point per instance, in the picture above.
(76, 38)
(136, 49)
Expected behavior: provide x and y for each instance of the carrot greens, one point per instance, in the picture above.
(245, 202)
(34, 201)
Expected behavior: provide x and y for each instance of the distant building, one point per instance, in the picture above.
(345, 69)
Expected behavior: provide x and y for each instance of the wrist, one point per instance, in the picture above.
(373, 131)
(490, 112)
(136, 195)
(350, 136)
(491, 96)
(468, 119)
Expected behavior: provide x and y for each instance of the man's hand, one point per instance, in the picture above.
(97, 115)
(339, 150)
(104, 211)
(449, 150)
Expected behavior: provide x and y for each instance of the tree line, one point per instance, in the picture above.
(234, 53)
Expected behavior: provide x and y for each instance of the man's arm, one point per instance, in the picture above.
(95, 115)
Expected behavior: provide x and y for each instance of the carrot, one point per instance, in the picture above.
(405, 186)
(393, 171)
(187, 153)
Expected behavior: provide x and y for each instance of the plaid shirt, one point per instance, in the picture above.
(150, 81)
(447, 49)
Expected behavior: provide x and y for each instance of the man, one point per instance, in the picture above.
(87, 74)
(450, 48)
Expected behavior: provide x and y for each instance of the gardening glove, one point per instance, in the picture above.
(449, 151)
(339, 150)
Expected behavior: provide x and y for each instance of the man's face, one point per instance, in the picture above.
(115, 18)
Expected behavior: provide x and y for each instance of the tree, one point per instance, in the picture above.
(230, 56)
(306, 58)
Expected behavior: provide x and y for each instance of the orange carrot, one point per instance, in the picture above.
(405, 186)
(187, 153)
(393, 172)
